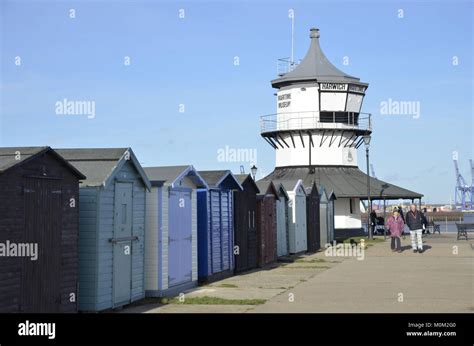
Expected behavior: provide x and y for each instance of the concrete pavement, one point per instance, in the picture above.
(439, 280)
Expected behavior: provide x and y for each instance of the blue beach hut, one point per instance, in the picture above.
(216, 226)
(171, 230)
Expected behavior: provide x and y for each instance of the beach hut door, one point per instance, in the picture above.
(180, 237)
(122, 243)
(41, 278)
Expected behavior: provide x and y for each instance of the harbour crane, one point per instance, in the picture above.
(463, 192)
(472, 184)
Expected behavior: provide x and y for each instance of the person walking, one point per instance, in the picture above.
(414, 221)
(395, 225)
(424, 221)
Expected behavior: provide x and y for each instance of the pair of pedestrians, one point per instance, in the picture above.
(415, 221)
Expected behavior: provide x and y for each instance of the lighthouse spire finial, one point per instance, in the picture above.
(314, 33)
(314, 67)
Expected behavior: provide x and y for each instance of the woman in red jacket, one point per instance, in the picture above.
(395, 224)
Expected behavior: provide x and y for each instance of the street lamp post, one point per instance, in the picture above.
(253, 169)
(384, 187)
(367, 139)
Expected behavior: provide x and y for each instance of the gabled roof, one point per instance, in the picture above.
(290, 185)
(9, 158)
(343, 181)
(323, 194)
(315, 67)
(282, 191)
(267, 187)
(170, 175)
(242, 178)
(216, 179)
(100, 164)
(310, 187)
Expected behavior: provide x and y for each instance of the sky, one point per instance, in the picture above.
(184, 82)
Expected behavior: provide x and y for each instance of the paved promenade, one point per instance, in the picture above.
(439, 280)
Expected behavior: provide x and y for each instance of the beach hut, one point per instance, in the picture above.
(324, 216)
(216, 225)
(111, 227)
(266, 223)
(171, 230)
(297, 232)
(245, 227)
(331, 222)
(283, 248)
(313, 218)
(39, 192)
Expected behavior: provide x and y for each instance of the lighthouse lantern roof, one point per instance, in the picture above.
(315, 67)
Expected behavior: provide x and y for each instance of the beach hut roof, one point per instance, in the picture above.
(288, 184)
(312, 187)
(170, 175)
(282, 191)
(13, 156)
(220, 178)
(241, 178)
(267, 187)
(100, 164)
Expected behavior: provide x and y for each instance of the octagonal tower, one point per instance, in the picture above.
(318, 120)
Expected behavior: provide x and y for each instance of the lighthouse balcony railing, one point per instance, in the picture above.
(285, 65)
(315, 120)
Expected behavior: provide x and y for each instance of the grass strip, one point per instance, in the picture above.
(206, 300)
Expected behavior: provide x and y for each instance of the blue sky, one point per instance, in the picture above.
(190, 61)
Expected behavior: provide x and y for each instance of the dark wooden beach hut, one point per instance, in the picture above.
(111, 227)
(313, 218)
(331, 221)
(245, 223)
(39, 215)
(283, 244)
(266, 223)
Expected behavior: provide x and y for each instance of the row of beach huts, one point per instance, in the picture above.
(109, 232)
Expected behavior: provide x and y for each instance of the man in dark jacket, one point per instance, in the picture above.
(414, 221)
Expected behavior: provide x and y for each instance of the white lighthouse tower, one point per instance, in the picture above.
(318, 120)
(316, 132)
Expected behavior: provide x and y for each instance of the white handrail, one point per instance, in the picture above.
(312, 120)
